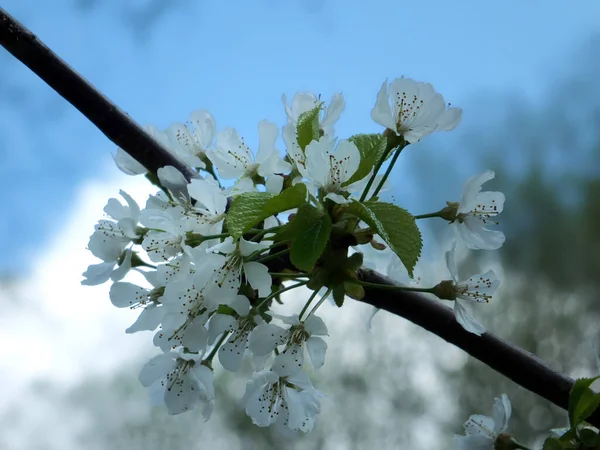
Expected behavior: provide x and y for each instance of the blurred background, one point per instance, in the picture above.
(524, 71)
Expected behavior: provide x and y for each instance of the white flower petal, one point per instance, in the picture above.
(333, 112)
(241, 305)
(148, 320)
(268, 133)
(219, 323)
(249, 247)
(231, 155)
(127, 164)
(204, 127)
(449, 119)
(337, 198)
(266, 337)
(125, 295)
(182, 396)
(274, 184)
(466, 320)
(480, 425)
(289, 362)
(173, 180)
(481, 287)
(382, 112)
(316, 348)
(157, 368)
(195, 336)
(472, 187)
(502, 413)
(315, 326)
(451, 262)
(475, 236)
(98, 273)
(258, 276)
(232, 352)
(120, 272)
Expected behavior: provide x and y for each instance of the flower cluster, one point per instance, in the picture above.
(217, 256)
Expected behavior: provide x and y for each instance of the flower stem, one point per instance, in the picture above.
(261, 233)
(215, 349)
(280, 291)
(308, 302)
(388, 171)
(393, 288)
(319, 304)
(274, 255)
(262, 250)
(372, 179)
(289, 275)
(215, 236)
(427, 216)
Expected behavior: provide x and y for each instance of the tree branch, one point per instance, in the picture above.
(522, 367)
(108, 117)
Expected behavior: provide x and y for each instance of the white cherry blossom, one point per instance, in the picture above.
(180, 381)
(328, 167)
(477, 210)
(300, 336)
(211, 203)
(288, 402)
(481, 432)
(127, 216)
(166, 237)
(191, 141)
(234, 159)
(187, 309)
(306, 101)
(115, 265)
(232, 351)
(109, 240)
(227, 278)
(416, 109)
(476, 289)
(129, 295)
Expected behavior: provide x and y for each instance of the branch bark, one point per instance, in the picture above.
(108, 117)
(519, 365)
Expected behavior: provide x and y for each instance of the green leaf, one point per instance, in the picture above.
(371, 148)
(589, 437)
(554, 444)
(339, 294)
(307, 129)
(251, 208)
(309, 231)
(396, 226)
(582, 401)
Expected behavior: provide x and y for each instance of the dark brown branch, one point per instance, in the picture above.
(521, 366)
(515, 363)
(114, 123)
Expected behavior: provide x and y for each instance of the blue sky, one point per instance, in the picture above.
(236, 58)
